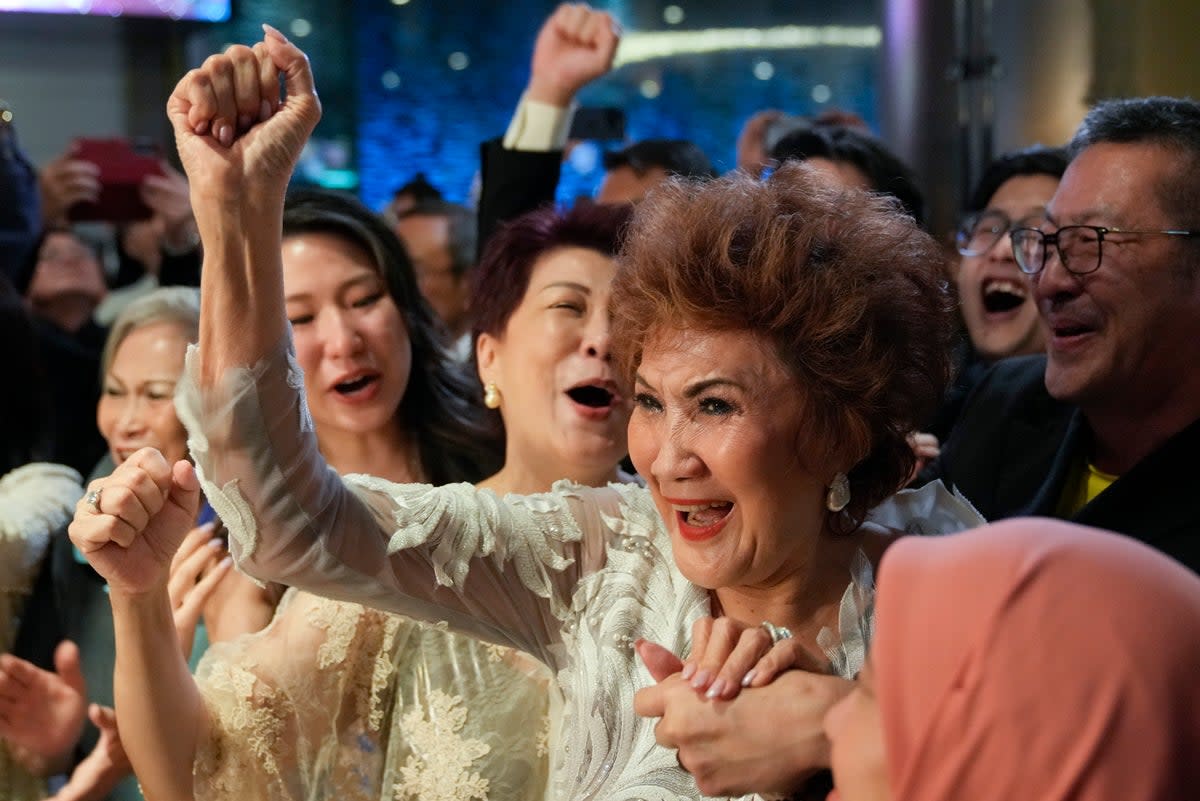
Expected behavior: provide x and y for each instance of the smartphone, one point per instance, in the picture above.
(124, 164)
(598, 123)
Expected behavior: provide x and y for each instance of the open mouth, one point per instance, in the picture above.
(356, 385)
(1002, 295)
(592, 396)
(704, 515)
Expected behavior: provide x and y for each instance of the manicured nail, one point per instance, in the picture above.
(264, 111)
(748, 679)
(244, 121)
(688, 671)
(202, 128)
(216, 543)
(717, 688)
(700, 679)
(274, 33)
(225, 135)
(226, 562)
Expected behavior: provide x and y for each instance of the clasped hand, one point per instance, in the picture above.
(761, 730)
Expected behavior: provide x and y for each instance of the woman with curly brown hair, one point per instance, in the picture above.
(782, 339)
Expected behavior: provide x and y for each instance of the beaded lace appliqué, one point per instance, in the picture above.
(442, 765)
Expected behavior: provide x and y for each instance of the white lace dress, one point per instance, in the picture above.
(36, 501)
(573, 576)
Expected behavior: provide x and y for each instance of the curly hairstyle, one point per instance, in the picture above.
(851, 294)
(441, 407)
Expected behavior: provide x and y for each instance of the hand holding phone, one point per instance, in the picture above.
(122, 165)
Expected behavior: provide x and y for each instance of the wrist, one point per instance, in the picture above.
(141, 600)
(550, 92)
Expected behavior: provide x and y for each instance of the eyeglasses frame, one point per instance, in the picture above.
(1101, 232)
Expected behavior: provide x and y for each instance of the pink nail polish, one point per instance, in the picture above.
(688, 671)
(225, 134)
(748, 679)
(716, 689)
(264, 110)
(700, 680)
(202, 128)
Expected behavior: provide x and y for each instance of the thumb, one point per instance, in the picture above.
(103, 718)
(658, 660)
(291, 61)
(185, 488)
(66, 664)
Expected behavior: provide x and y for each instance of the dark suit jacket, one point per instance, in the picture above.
(1014, 447)
(513, 183)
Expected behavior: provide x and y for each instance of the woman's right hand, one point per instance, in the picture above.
(144, 511)
(238, 142)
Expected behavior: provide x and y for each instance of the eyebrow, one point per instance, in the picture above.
(111, 376)
(1088, 216)
(568, 285)
(695, 389)
(700, 386)
(365, 278)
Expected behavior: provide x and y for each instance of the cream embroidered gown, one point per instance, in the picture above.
(333, 700)
(573, 576)
(36, 501)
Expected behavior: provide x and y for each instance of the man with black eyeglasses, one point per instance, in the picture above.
(1105, 428)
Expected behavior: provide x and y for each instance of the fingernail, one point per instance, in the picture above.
(244, 121)
(216, 542)
(202, 128)
(225, 134)
(716, 689)
(700, 680)
(226, 562)
(274, 33)
(688, 670)
(749, 678)
(264, 110)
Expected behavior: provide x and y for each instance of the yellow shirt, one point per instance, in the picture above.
(1085, 484)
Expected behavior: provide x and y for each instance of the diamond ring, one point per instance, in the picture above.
(92, 499)
(776, 633)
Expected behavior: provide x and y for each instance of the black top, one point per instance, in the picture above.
(1015, 447)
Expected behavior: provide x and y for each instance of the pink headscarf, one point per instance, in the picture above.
(1041, 661)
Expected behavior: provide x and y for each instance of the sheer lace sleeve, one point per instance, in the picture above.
(333, 700)
(500, 569)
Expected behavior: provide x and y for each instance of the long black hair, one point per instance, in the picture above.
(442, 407)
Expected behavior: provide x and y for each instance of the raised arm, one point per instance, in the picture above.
(239, 144)
(129, 533)
(574, 47)
(501, 570)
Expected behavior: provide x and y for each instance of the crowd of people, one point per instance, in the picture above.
(717, 487)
